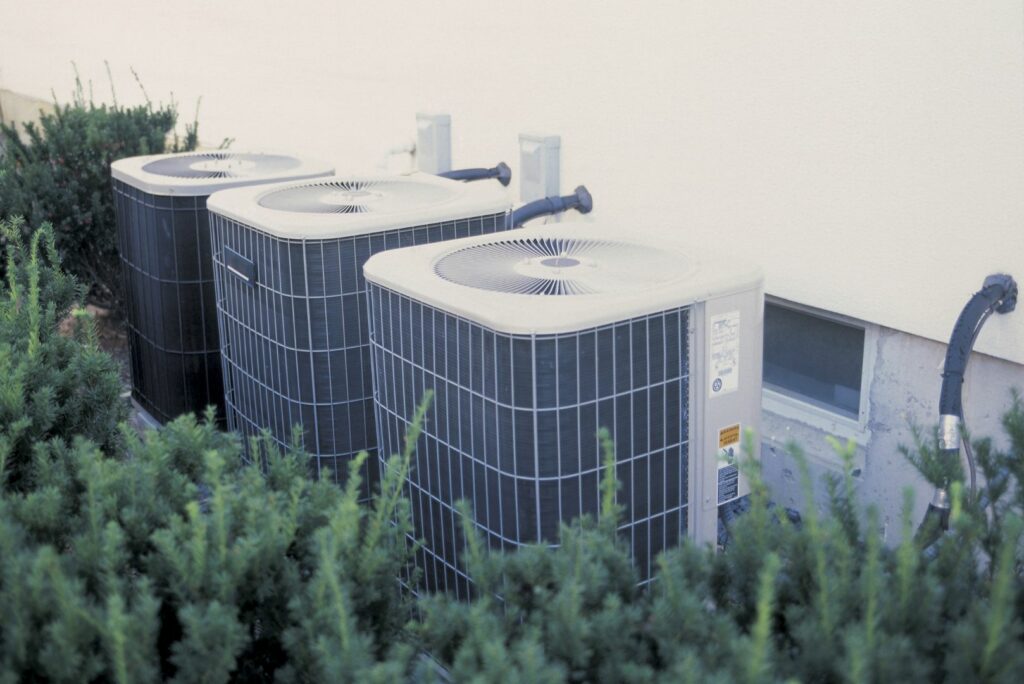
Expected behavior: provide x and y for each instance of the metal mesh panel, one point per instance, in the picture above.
(294, 338)
(513, 428)
(169, 299)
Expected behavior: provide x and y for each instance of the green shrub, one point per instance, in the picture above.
(59, 172)
(821, 601)
(52, 386)
(128, 570)
(127, 558)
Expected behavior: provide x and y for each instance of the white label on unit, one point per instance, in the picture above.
(724, 376)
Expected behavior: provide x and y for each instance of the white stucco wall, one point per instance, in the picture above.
(870, 155)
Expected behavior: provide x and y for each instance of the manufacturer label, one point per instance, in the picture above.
(724, 356)
(728, 484)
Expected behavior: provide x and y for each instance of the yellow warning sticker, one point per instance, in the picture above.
(729, 436)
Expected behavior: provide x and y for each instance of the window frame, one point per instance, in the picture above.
(792, 407)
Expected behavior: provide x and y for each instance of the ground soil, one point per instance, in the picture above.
(113, 338)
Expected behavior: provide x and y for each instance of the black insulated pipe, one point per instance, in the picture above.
(580, 200)
(501, 172)
(998, 294)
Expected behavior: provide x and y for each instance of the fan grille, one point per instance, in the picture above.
(221, 165)
(559, 266)
(357, 196)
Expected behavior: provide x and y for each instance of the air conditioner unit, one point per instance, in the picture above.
(531, 341)
(163, 233)
(291, 299)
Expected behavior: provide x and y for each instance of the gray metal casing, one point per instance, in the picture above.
(414, 311)
(164, 247)
(294, 338)
(710, 412)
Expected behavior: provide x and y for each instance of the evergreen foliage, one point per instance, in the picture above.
(53, 386)
(167, 557)
(128, 570)
(58, 171)
(824, 601)
(127, 558)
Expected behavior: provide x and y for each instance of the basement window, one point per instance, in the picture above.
(816, 362)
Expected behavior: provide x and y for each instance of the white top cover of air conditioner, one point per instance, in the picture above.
(559, 279)
(191, 174)
(342, 206)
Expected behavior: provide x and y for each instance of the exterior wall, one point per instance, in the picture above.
(21, 109)
(904, 391)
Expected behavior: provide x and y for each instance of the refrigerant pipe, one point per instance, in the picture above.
(580, 200)
(998, 294)
(501, 172)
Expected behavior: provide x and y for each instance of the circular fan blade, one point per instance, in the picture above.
(356, 196)
(558, 266)
(221, 165)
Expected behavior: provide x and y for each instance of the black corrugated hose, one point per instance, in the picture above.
(998, 294)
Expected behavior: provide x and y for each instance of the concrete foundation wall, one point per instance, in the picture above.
(904, 391)
(19, 109)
